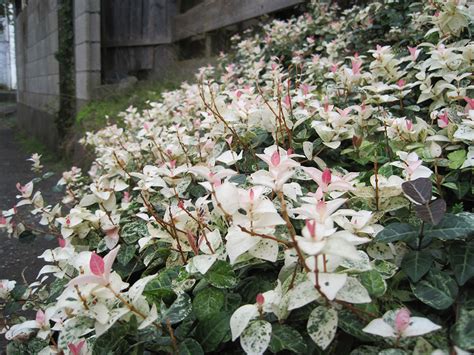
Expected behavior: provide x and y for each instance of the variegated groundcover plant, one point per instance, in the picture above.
(310, 194)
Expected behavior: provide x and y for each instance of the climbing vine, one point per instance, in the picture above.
(65, 57)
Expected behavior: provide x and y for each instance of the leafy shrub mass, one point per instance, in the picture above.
(312, 194)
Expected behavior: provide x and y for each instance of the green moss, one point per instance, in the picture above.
(32, 145)
(93, 115)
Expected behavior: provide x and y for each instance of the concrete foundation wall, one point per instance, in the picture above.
(36, 39)
(38, 70)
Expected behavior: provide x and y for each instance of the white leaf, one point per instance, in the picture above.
(419, 326)
(353, 292)
(151, 317)
(241, 318)
(266, 249)
(302, 294)
(379, 327)
(308, 149)
(330, 284)
(256, 338)
(203, 262)
(322, 326)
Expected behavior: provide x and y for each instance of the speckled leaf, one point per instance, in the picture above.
(256, 337)
(322, 326)
(462, 332)
(208, 302)
(374, 283)
(221, 275)
(179, 310)
(353, 292)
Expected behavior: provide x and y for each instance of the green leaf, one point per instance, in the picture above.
(179, 310)
(397, 232)
(461, 258)
(452, 227)
(221, 275)
(208, 302)
(456, 159)
(416, 264)
(322, 326)
(285, 337)
(190, 347)
(437, 290)
(126, 254)
(351, 324)
(18, 292)
(462, 332)
(211, 331)
(161, 287)
(373, 282)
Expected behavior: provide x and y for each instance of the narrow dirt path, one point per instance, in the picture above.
(18, 261)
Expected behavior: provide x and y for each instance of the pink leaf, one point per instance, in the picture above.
(402, 320)
(275, 158)
(76, 349)
(326, 177)
(40, 317)
(96, 264)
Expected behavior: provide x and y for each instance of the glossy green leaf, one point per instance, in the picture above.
(437, 290)
(190, 346)
(285, 337)
(416, 264)
(208, 302)
(397, 232)
(461, 258)
(221, 275)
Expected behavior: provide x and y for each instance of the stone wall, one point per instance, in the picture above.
(38, 69)
(87, 51)
(36, 39)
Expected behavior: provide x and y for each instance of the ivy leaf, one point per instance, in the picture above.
(461, 258)
(462, 332)
(256, 337)
(437, 290)
(285, 337)
(211, 331)
(452, 227)
(190, 346)
(456, 159)
(432, 213)
(416, 264)
(351, 324)
(419, 190)
(373, 282)
(397, 232)
(161, 287)
(208, 302)
(179, 310)
(322, 326)
(221, 275)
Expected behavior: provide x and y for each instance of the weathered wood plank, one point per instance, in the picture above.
(214, 14)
